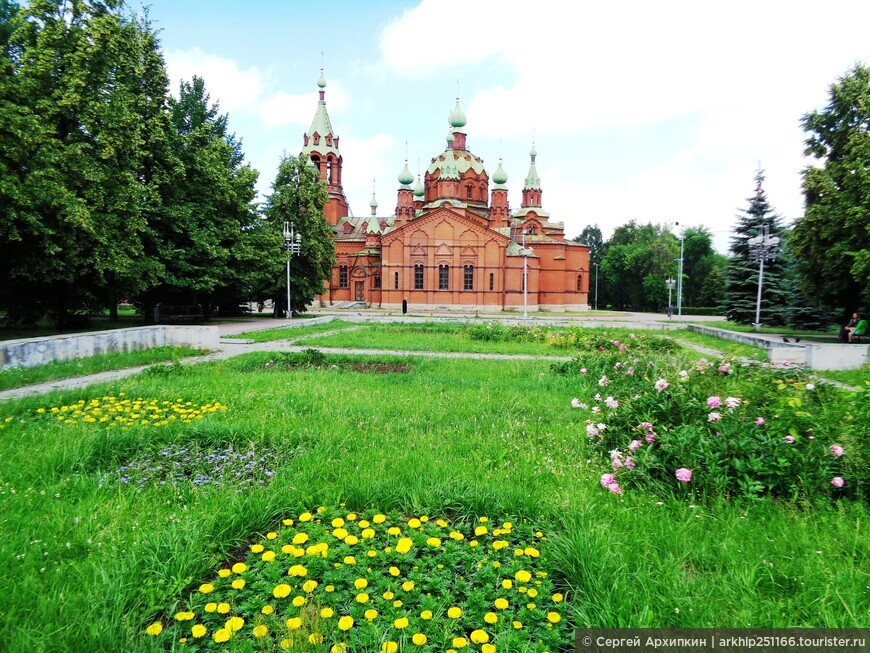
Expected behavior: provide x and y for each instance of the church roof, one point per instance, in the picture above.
(321, 125)
(453, 163)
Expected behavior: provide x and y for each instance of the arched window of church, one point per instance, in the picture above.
(443, 277)
(396, 281)
(316, 161)
(418, 277)
(468, 278)
(579, 282)
(491, 281)
(342, 276)
(468, 192)
(531, 230)
(329, 167)
(317, 139)
(377, 282)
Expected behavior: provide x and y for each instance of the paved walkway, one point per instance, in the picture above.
(230, 347)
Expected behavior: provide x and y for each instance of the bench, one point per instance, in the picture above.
(178, 314)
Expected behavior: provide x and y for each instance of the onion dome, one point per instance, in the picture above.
(321, 83)
(499, 177)
(419, 191)
(457, 116)
(405, 177)
(450, 138)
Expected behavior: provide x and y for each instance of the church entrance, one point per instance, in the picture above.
(359, 291)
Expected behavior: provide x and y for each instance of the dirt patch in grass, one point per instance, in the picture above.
(380, 368)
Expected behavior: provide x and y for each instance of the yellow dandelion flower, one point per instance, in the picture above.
(397, 604)
(268, 556)
(223, 608)
(351, 516)
(350, 540)
(480, 530)
(293, 623)
(154, 629)
(394, 530)
(487, 648)
(260, 631)
(271, 535)
(305, 516)
(531, 606)
(299, 601)
(553, 617)
(426, 615)
(372, 554)
(389, 647)
(221, 636)
(408, 585)
(338, 522)
(257, 548)
(224, 573)
(433, 541)
(198, 630)
(388, 595)
(479, 636)
(362, 597)
(238, 583)
(285, 643)
(368, 533)
(532, 552)
(379, 519)
(371, 614)
(454, 612)
(363, 523)
(501, 604)
(309, 586)
(234, 624)
(459, 642)
(401, 622)
(184, 616)
(496, 564)
(456, 535)
(490, 618)
(345, 623)
(523, 576)
(240, 568)
(281, 591)
(413, 523)
(441, 523)
(473, 543)
(404, 545)
(483, 520)
(419, 639)
(360, 583)
(518, 625)
(210, 607)
(326, 613)
(558, 598)
(339, 533)
(206, 588)
(287, 522)
(267, 609)
(349, 560)
(394, 571)
(329, 589)
(498, 545)
(341, 647)
(300, 538)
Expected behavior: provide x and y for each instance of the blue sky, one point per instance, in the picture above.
(654, 111)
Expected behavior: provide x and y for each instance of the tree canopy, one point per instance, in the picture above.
(832, 239)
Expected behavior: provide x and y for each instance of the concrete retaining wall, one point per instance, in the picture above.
(814, 355)
(29, 352)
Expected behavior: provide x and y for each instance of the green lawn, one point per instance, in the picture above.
(21, 376)
(293, 333)
(728, 347)
(102, 536)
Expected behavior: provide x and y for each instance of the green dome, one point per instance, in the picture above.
(419, 191)
(450, 138)
(457, 116)
(499, 176)
(321, 83)
(405, 177)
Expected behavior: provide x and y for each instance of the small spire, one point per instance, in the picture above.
(533, 181)
(373, 226)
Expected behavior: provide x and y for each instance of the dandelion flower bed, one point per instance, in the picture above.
(122, 411)
(335, 580)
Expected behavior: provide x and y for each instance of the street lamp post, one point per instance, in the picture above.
(762, 247)
(680, 276)
(596, 286)
(670, 284)
(293, 245)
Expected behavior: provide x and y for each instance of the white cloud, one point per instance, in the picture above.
(225, 82)
(364, 161)
(298, 109)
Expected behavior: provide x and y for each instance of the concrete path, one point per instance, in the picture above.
(230, 347)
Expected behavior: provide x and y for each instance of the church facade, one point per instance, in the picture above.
(452, 242)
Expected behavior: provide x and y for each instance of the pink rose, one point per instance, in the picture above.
(607, 479)
(759, 421)
(714, 402)
(837, 450)
(683, 475)
(789, 439)
(837, 482)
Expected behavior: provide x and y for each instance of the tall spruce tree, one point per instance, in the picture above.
(741, 279)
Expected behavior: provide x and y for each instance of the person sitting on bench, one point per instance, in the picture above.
(859, 330)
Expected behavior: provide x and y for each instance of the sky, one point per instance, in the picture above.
(659, 111)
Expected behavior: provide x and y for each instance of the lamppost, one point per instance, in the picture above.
(525, 277)
(669, 282)
(293, 245)
(680, 276)
(596, 286)
(762, 247)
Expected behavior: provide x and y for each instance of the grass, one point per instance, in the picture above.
(832, 330)
(21, 376)
(728, 347)
(90, 562)
(853, 378)
(293, 333)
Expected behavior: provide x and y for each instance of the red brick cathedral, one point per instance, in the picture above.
(453, 242)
